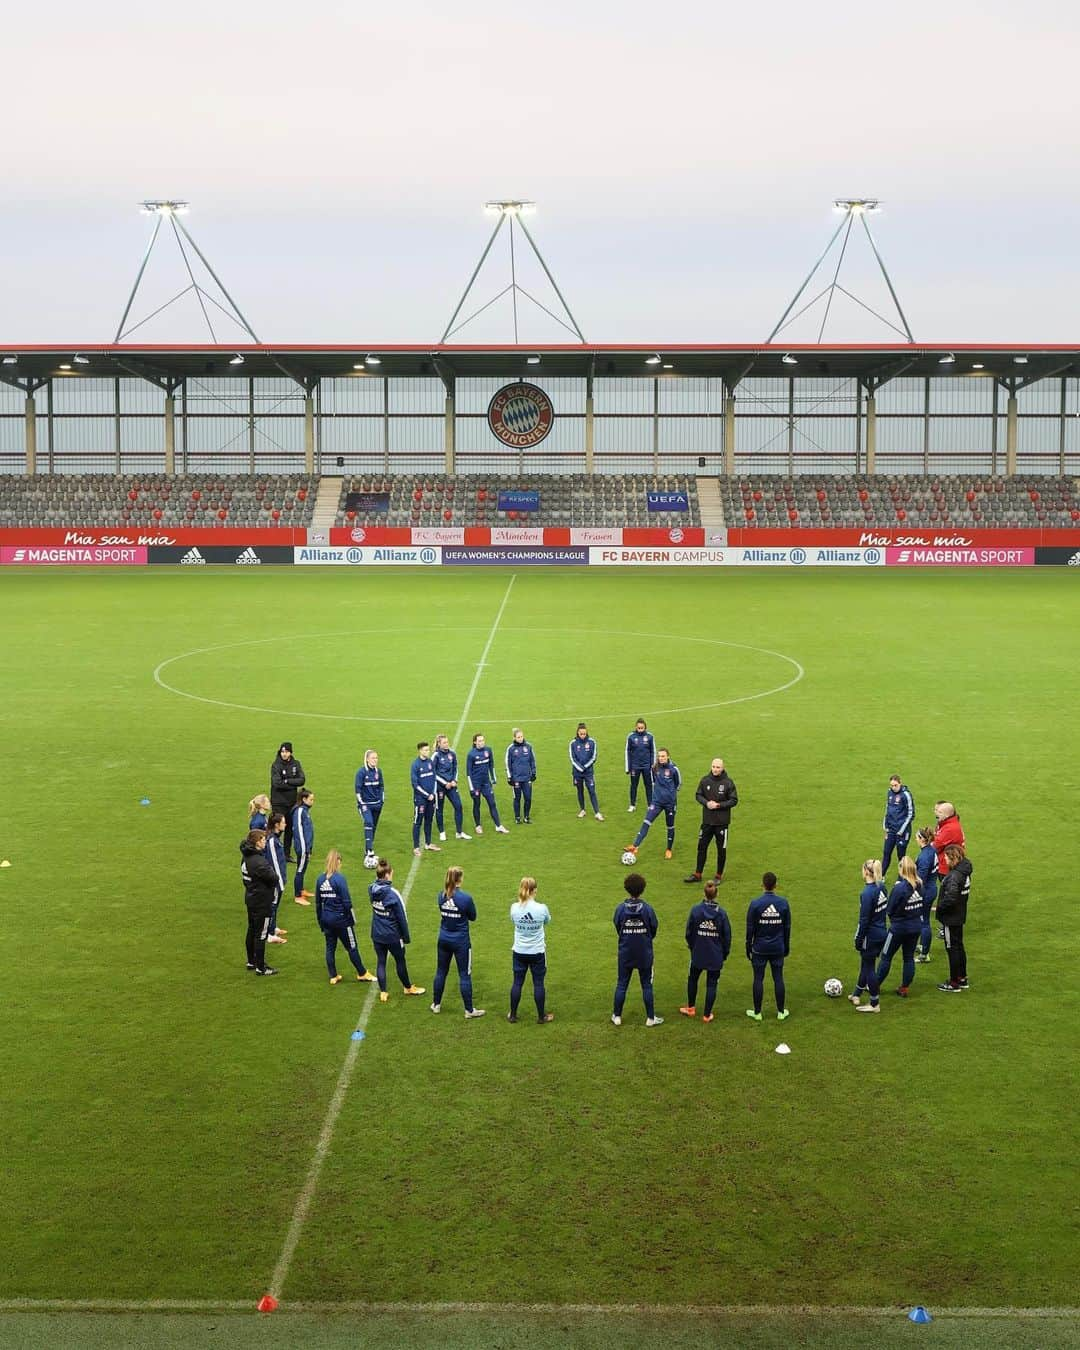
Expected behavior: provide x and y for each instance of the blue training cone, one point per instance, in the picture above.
(357, 1035)
(919, 1314)
(144, 801)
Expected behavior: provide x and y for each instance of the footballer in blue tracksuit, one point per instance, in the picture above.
(303, 836)
(905, 914)
(926, 867)
(457, 910)
(583, 769)
(424, 790)
(870, 934)
(636, 924)
(389, 930)
(896, 822)
(275, 853)
(708, 936)
(665, 787)
(446, 778)
(521, 774)
(334, 912)
(480, 771)
(768, 942)
(640, 757)
(370, 795)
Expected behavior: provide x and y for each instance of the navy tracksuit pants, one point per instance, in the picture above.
(868, 977)
(525, 963)
(344, 933)
(522, 798)
(488, 796)
(370, 816)
(622, 985)
(899, 842)
(397, 951)
(423, 814)
(452, 796)
(712, 979)
(581, 782)
(776, 964)
(643, 776)
(447, 953)
(650, 815)
(907, 942)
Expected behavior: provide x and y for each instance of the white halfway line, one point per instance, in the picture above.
(165, 1305)
(337, 1101)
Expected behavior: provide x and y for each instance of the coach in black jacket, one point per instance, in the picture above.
(286, 779)
(260, 887)
(717, 794)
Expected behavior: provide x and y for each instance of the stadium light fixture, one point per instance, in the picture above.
(789, 360)
(533, 360)
(65, 365)
(857, 206)
(668, 365)
(947, 360)
(360, 366)
(654, 360)
(236, 360)
(161, 207)
(81, 360)
(977, 365)
(370, 360)
(11, 361)
(1020, 360)
(510, 207)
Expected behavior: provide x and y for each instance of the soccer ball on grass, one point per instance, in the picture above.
(629, 858)
(371, 860)
(833, 988)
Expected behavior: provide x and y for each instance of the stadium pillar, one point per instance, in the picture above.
(729, 435)
(1010, 434)
(170, 434)
(589, 425)
(871, 432)
(31, 434)
(309, 433)
(448, 429)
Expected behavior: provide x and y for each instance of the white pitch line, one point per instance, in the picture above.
(164, 1305)
(337, 1101)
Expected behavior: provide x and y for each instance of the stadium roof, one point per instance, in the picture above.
(873, 363)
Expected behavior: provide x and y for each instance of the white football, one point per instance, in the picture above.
(629, 858)
(371, 860)
(833, 988)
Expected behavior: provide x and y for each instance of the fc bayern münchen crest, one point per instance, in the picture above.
(520, 415)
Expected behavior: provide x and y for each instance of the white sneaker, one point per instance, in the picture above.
(436, 1007)
(599, 816)
(476, 1012)
(479, 829)
(654, 1021)
(500, 829)
(432, 848)
(416, 853)
(460, 835)
(581, 814)
(442, 836)
(616, 1021)
(631, 809)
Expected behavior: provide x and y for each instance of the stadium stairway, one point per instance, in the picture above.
(711, 505)
(326, 504)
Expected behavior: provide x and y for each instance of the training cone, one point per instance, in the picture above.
(268, 1303)
(783, 1049)
(144, 801)
(5, 863)
(919, 1314)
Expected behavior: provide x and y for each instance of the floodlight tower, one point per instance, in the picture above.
(163, 210)
(852, 209)
(510, 211)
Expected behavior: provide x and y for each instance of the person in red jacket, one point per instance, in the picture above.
(949, 831)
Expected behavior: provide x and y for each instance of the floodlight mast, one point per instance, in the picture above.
(511, 209)
(852, 209)
(168, 209)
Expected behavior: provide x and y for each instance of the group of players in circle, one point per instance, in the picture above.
(888, 920)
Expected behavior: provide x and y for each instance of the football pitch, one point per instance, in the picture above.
(177, 1131)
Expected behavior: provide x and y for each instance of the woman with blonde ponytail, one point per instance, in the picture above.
(870, 935)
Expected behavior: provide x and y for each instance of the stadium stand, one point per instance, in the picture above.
(472, 499)
(771, 501)
(157, 500)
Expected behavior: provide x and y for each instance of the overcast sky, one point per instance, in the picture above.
(684, 158)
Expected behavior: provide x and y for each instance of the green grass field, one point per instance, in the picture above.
(161, 1106)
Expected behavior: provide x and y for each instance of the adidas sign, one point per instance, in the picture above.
(770, 912)
(192, 558)
(248, 558)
